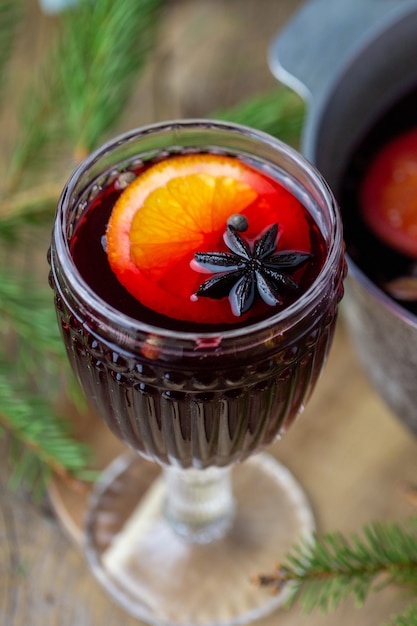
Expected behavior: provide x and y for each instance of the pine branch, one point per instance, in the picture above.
(39, 140)
(30, 332)
(10, 13)
(33, 207)
(82, 87)
(78, 92)
(32, 366)
(279, 113)
(407, 618)
(29, 311)
(42, 442)
(102, 48)
(325, 571)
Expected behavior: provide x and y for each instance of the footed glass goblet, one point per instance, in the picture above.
(178, 526)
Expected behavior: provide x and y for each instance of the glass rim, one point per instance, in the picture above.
(102, 309)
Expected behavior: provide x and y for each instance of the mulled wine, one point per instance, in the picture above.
(382, 248)
(224, 398)
(88, 248)
(197, 269)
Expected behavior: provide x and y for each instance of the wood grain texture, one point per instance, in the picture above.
(353, 457)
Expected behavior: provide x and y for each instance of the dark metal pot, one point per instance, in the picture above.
(351, 60)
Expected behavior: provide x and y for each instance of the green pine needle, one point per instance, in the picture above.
(407, 618)
(10, 13)
(102, 48)
(42, 441)
(326, 570)
(83, 85)
(33, 366)
(33, 208)
(39, 141)
(279, 113)
(28, 310)
(78, 92)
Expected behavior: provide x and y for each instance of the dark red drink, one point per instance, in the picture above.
(381, 254)
(181, 392)
(88, 250)
(197, 308)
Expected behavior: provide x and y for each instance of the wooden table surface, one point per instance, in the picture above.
(354, 458)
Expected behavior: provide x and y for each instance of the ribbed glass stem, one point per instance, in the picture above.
(199, 503)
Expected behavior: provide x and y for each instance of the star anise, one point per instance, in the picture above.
(250, 270)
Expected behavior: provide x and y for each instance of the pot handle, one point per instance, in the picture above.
(313, 48)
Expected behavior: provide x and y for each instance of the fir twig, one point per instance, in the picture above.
(279, 113)
(407, 618)
(40, 128)
(30, 383)
(39, 132)
(79, 90)
(102, 48)
(83, 84)
(10, 13)
(45, 443)
(30, 313)
(32, 207)
(325, 571)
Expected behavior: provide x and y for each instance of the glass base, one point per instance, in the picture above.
(163, 580)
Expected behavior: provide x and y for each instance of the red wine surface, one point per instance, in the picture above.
(381, 262)
(89, 254)
(189, 407)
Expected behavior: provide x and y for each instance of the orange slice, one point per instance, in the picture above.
(389, 194)
(179, 206)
